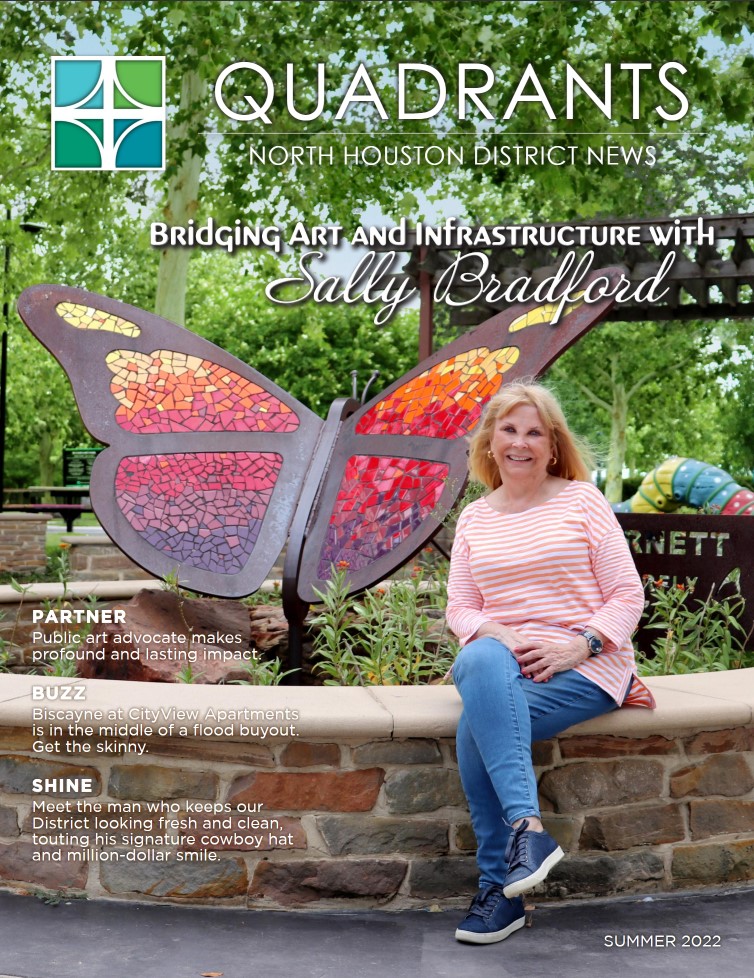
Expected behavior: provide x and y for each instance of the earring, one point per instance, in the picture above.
(553, 460)
(490, 455)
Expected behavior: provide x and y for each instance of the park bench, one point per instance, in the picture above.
(69, 512)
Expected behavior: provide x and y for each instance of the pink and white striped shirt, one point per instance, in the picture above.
(548, 573)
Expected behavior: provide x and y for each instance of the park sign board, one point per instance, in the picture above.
(675, 547)
(77, 465)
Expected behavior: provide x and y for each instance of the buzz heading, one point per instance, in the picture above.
(477, 88)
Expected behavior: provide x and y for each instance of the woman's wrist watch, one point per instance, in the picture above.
(594, 642)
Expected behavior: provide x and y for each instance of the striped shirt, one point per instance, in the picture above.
(548, 573)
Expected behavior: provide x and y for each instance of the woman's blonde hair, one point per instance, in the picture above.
(573, 458)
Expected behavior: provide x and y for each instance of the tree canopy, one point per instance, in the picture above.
(94, 223)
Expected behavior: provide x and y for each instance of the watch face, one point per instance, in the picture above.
(595, 645)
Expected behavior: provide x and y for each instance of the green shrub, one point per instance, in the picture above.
(387, 636)
(696, 634)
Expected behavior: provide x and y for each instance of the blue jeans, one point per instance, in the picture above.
(503, 712)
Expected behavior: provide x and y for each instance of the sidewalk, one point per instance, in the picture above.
(80, 939)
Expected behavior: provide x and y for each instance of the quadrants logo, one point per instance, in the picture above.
(108, 113)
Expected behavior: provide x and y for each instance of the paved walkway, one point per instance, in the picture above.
(81, 939)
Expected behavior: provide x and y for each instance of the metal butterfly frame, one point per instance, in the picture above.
(212, 468)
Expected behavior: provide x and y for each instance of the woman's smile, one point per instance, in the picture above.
(521, 442)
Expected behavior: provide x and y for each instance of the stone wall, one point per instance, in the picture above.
(367, 802)
(22, 542)
(97, 559)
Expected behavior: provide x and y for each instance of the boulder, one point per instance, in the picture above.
(165, 634)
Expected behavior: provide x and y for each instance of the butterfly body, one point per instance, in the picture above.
(211, 467)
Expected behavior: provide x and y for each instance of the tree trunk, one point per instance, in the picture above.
(616, 457)
(46, 465)
(182, 202)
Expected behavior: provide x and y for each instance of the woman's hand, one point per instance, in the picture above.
(541, 660)
(508, 636)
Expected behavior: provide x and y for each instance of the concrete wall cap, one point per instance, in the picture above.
(317, 712)
(702, 701)
(9, 517)
(115, 590)
(85, 540)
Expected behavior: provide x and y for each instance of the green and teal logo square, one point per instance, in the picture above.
(108, 113)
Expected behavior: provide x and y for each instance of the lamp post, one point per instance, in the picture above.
(30, 228)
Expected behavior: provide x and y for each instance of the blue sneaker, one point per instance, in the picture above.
(491, 917)
(530, 857)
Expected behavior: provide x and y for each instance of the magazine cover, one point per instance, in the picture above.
(376, 455)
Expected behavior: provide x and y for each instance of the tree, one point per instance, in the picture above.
(649, 377)
(204, 37)
(309, 350)
(737, 417)
(95, 236)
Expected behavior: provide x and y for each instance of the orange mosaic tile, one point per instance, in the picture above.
(170, 391)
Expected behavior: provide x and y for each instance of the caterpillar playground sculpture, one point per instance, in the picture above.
(689, 482)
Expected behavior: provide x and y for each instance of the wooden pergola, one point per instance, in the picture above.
(706, 281)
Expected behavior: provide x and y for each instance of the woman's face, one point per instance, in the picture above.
(521, 444)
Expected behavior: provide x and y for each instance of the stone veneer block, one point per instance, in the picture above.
(8, 821)
(435, 879)
(22, 541)
(717, 817)
(414, 751)
(563, 828)
(634, 826)
(719, 741)
(298, 882)
(17, 865)
(601, 784)
(347, 835)
(91, 821)
(299, 754)
(347, 791)
(464, 838)
(235, 825)
(17, 773)
(212, 751)
(16, 738)
(414, 791)
(543, 753)
(603, 875)
(603, 746)
(220, 879)
(148, 782)
(718, 774)
(713, 863)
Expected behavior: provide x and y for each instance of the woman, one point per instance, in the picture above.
(544, 596)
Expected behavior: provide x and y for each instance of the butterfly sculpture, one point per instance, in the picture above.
(211, 468)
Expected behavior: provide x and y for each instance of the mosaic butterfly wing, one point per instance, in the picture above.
(399, 464)
(206, 455)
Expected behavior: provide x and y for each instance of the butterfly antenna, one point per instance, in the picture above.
(354, 383)
(375, 375)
